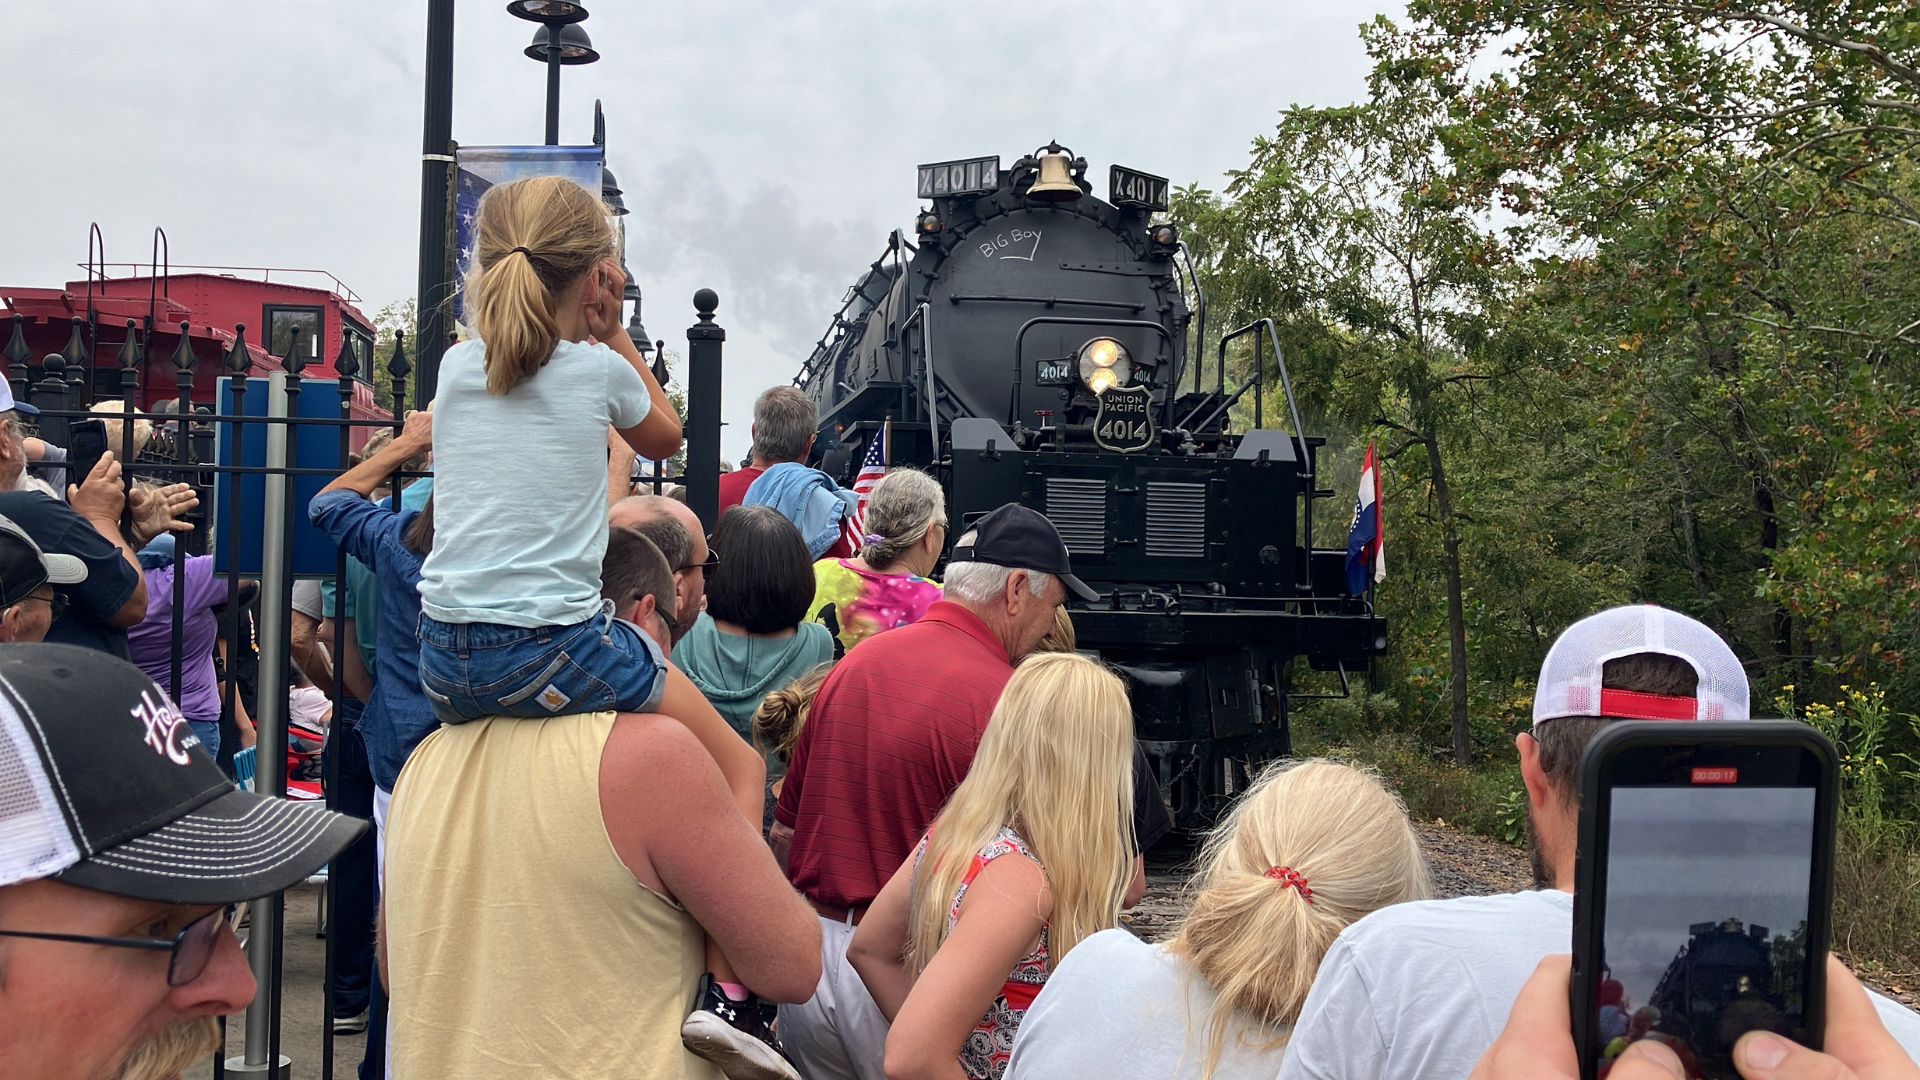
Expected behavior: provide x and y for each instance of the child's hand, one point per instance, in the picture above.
(601, 300)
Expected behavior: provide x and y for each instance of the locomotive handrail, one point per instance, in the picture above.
(926, 358)
(1020, 340)
(1200, 316)
(1050, 301)
(1286, 384)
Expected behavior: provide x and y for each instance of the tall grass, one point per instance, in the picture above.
(1362, 729)
(1876, 878)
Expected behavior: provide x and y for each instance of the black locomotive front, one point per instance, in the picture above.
(1029, 344)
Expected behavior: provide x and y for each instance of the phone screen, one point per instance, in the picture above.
(1705, 935)
(86, 441)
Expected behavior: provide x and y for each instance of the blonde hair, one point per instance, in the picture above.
(142, 428)
(1257, 940)
(777, 721)
(1061, 638)
(510, 293)
(1056, 765)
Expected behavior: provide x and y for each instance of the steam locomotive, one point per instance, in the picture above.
(1030, 344)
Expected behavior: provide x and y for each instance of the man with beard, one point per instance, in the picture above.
(1422, 989)
(675, 530)
(122, 849)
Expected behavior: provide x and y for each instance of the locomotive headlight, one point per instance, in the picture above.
(1104, 363)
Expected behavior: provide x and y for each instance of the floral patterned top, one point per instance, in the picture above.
(984, 1056)
(865, 603)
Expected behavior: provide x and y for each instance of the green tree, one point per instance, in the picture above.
(1346, 225)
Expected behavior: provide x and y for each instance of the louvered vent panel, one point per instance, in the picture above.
(1176, 521)
(1078, 508)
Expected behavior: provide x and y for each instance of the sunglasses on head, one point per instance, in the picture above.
(189, 951)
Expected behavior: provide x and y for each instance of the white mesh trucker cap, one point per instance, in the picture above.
(1570, 677)
(103, 785)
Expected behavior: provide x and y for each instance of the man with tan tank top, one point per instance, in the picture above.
(549, 881)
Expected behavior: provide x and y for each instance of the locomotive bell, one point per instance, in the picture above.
(1055, 183)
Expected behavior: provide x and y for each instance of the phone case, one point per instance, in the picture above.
(1630, 740)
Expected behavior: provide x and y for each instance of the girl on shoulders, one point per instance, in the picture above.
(514, 624)
(886, 585)
(1030, 857)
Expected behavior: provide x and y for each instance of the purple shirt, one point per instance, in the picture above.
(150, 643)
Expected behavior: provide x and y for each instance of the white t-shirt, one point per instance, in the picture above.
(520, 486)
(1118, 1008)
(1421, 990)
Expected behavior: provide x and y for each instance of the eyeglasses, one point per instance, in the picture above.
(712, 563)
(191, 949)
(57, 604)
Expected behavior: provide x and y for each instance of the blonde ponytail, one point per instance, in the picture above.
(1311, 847)
(533, 239)
(781, 714)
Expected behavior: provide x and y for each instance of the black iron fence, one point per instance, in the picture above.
(250, 517)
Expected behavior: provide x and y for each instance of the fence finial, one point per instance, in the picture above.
(130, 357)
(295, 360)
(183, 357)
(239, 361)
(347, 364)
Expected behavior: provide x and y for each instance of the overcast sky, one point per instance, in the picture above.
(766, 148)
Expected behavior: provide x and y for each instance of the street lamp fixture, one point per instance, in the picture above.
(551, 12)
(571, 47)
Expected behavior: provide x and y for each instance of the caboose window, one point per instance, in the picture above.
(282, 320)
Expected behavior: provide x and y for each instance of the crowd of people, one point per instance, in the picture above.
(628, 793)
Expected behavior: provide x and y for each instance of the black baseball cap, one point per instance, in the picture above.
(103, 785)
(24, 567)
(1022, 538)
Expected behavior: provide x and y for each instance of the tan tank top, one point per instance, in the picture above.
(519, 944)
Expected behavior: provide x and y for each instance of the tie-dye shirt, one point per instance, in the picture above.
(865, 602)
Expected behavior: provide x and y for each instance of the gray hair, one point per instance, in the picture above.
(783, 418)
(983, 582)
(901, 509)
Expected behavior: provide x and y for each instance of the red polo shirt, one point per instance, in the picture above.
(891, 734)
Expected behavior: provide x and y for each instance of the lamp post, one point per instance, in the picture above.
(560, 40)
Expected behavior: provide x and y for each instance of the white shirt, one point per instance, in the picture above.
(1421, 990)
(520, 486)
(1118, 1008)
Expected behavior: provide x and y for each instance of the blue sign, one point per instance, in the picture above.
(314, 446)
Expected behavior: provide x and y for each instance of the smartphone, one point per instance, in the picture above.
(1703, 889)
(86, 441)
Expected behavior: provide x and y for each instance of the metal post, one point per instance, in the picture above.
(184, 362)
(436, 170)
(553, 85)
(704, 341)
(270, 753)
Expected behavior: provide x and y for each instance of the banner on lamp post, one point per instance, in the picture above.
(477, 168)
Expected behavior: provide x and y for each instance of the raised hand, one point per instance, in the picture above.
(161, 509)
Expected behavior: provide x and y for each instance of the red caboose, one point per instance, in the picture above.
(211, 301)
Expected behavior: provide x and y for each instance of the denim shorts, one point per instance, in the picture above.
(475, 670)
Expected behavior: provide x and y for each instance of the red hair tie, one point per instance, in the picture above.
(1286, 876)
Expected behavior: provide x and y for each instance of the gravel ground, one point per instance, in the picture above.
(1461, 864)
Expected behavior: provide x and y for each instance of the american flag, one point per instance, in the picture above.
(871, 471)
